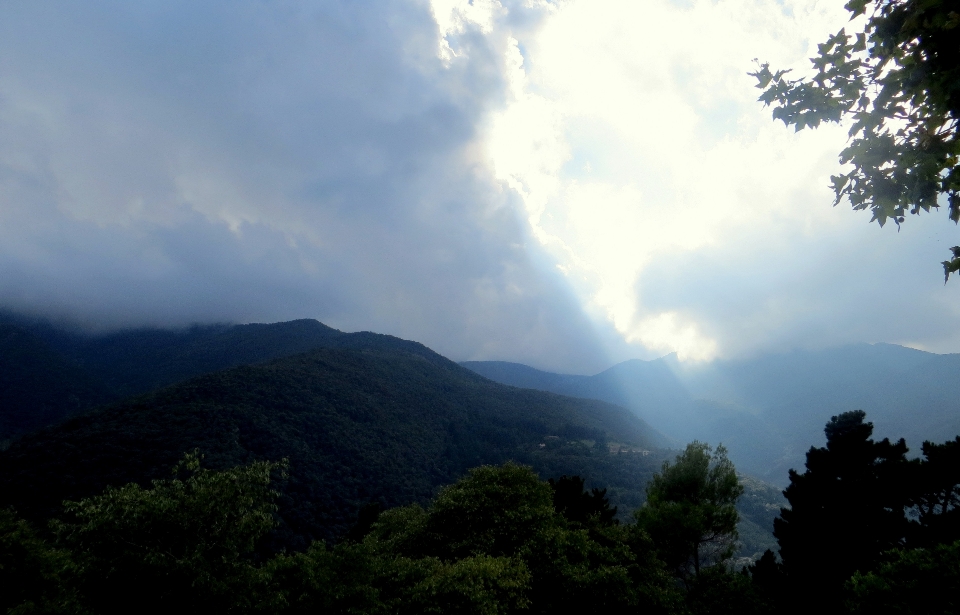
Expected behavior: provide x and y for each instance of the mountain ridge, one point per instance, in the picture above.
(74, 372)
(770, 410)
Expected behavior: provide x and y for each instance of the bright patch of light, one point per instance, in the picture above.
(633, 135)
(669, 331)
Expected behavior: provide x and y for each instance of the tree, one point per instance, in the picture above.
(898, 83)
(183, 545)
(34, 577)
(495, 510)
(910, 581)
(846, 509)
(580, 506)
(769, 583)
(496, 533)
(934, 494)
(690, 512)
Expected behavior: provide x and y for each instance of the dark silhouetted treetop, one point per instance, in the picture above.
(578, 505)
(898, 84)
(769, 583)
(495, 511)
(934, 494)
(846, 509)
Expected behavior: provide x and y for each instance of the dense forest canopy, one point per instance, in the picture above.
(501, 540)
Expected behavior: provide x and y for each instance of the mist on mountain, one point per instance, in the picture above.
(769, 410)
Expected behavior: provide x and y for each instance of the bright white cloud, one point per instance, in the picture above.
(634, 137)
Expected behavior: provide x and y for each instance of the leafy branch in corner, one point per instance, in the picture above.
(898, 83)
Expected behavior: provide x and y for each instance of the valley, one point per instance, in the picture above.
(768, 411)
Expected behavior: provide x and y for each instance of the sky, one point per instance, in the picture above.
(565, 184)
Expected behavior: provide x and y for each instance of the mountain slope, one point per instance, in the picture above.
(649, 388)
(37, 385)
(768, 411)
(389, 424)
(48, 373)
(633, 384)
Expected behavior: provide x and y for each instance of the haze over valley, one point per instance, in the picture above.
(769, 410)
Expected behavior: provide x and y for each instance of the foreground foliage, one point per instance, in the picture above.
(868, 527)
(185, 542)
(898, 83)
(868, 531)
(500, 540)
(910, 581)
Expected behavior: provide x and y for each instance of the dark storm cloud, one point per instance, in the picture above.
(175, 162)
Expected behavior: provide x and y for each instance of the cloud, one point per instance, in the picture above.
(566, 184)
(678, 210)
(173, 162)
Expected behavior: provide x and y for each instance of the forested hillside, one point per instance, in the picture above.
(769, 409)
(49, 372)
(358, 426)
(39, 386)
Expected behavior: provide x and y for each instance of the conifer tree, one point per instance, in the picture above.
(690, 510)
(934, 495)
(845, 509)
